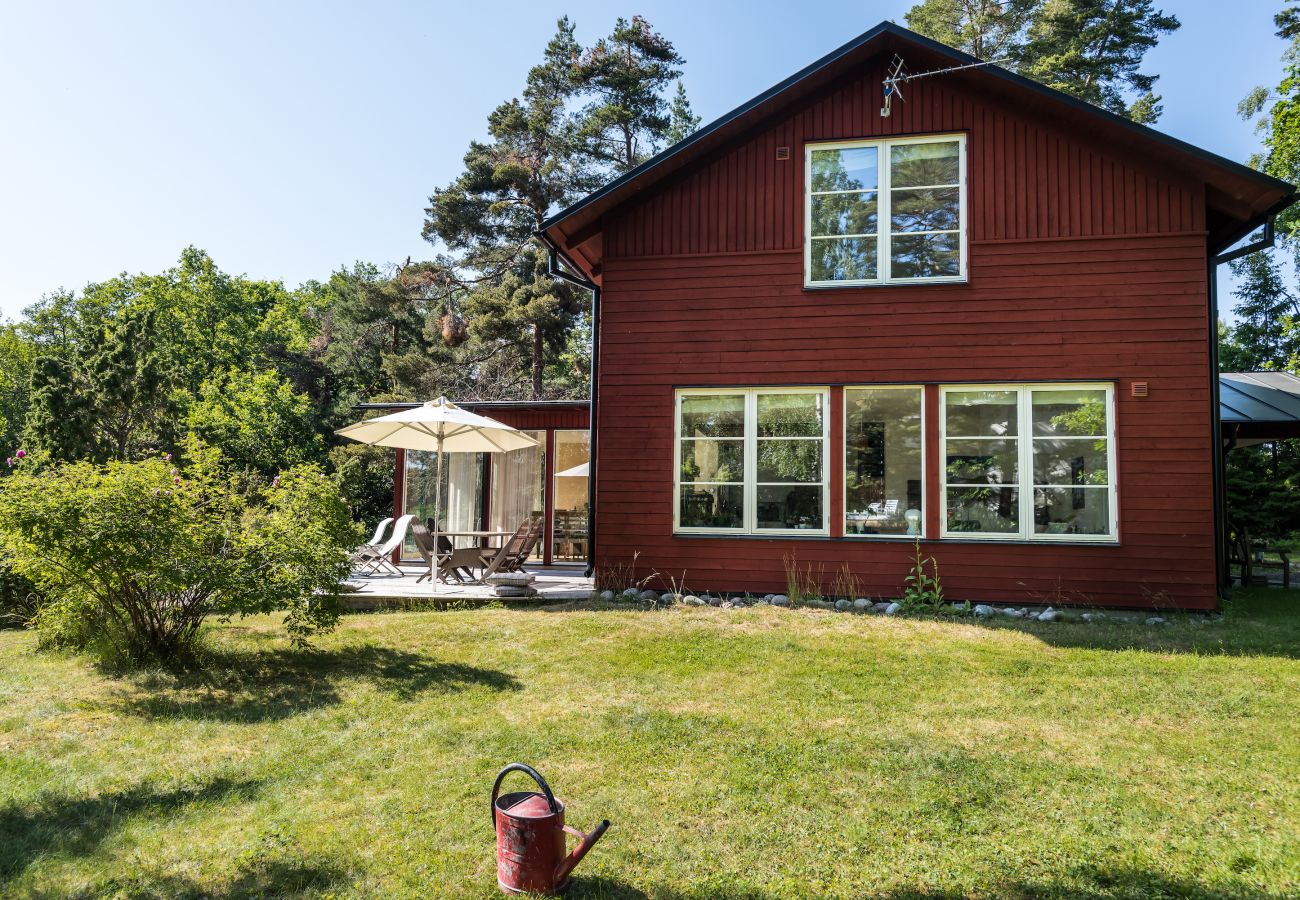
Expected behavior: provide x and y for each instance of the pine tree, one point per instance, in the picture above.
(628, 72)
(1091, 49)
(682, 121)
(488, 216)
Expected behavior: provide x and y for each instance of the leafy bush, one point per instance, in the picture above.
(19, 598)
(133, 556)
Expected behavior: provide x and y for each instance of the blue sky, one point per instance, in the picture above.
(290, 138)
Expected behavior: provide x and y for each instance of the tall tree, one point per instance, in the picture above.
(682, 120)
(489, 215)
(1092, 49)
(628, 72)
(987, 29)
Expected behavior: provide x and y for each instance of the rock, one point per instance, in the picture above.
(669, 597)
(692, 600)
(1155, 620)
(780, 600)
(1013, 613)
(862, 603)
(881, 606)
(727, 604)
(769, 597)
(607, 596)
(649, 596)
(509, 591)
(1093, 617)
(715, 601)
(983, 611)
(843, 604)
(1048, 615)
(893, 609)
(631, 593)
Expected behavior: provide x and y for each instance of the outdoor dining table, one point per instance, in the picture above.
(481, 536)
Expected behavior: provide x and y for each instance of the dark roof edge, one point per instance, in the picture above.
(957, 56)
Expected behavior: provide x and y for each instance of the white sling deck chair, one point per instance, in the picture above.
(378, 558)
(362, 553)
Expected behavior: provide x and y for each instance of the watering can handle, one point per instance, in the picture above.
(532, 773)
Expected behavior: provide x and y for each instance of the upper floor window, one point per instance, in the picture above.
(885, 212)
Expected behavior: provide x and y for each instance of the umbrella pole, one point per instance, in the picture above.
(437, 511)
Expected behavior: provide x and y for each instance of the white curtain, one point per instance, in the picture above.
(518, 482)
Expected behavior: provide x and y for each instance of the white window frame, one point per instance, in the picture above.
(919, 389)
(749, 525)
(883, 202)
(1025, 462)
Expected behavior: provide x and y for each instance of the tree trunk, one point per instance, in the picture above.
(538, 349)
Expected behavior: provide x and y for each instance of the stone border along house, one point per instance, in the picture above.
(986, 319)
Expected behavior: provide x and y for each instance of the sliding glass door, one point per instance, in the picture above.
(519, 488)
(569, 519)
(462, 491)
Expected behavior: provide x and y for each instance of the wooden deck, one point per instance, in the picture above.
(553, 583)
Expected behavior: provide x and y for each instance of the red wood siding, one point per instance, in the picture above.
(536, 418)
(1028, 179)
(1102, 307)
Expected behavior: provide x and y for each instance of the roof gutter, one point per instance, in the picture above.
(556, 262)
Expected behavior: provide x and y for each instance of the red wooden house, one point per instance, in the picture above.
(986, 319)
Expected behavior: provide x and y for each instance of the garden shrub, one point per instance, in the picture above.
(133, 557)
(19, 598)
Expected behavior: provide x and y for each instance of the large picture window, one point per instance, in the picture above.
(890, 211)
(883, 482)
(751, 460)
(1032, 462)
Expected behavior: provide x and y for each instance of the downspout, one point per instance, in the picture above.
(555, 269)
(1222, 574)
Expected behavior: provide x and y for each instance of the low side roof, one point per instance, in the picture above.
(1259, 406)
(1240, 198)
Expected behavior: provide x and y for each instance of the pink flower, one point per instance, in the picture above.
(20, 454)
(173, 471)
(9, 461)
(176, 480)
(169, 493)
(167, 456)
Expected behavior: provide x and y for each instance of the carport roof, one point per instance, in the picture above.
(1256, 406)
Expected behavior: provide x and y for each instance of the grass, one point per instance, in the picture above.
(749, 754)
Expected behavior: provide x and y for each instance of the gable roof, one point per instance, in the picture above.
(1240, 198)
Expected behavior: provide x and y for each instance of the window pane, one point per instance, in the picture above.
(1072, 511)
(518, 487)
(844, 214)
(982, 462)
(921, 165)
(1070, 412)
(790, 415)
(712, 506)
(984, 509)
(925, 256)
(1070, 461)
(713, 461)
(843, 259)
(924, 209)
(790, 461)
(569, 520)
(713, 415)
(976, 413)
(882, 470)
(849, 169)
(790, 506)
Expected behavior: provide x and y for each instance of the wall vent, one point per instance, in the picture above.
(782, 152)
(1138, 389)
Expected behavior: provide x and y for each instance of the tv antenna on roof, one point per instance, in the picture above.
(895, 78)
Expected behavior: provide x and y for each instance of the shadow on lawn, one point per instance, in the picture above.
(271, 684)
(1091, 882)
(75, 826)
(265, 878)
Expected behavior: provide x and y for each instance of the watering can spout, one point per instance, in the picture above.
(585, 843)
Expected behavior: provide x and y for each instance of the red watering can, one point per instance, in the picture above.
(530, 837)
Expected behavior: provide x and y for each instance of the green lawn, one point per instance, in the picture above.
(740, 754)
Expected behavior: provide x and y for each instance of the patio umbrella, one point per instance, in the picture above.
(442, 427)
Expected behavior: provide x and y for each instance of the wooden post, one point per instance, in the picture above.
(548, 527)
(399, 493)
(932, 483)
(835, 465)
